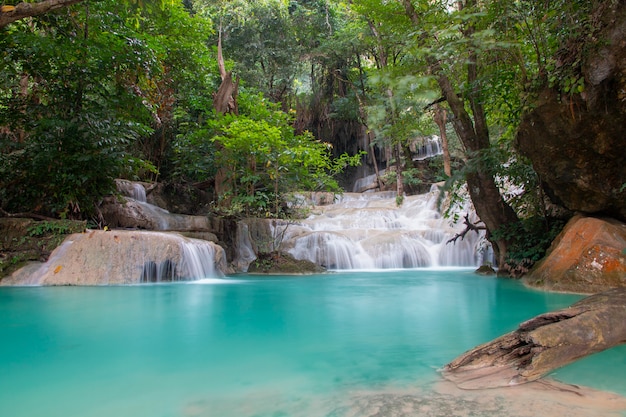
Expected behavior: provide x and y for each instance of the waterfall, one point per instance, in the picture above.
(369, 231)
(366, 182)
(119, 257)
(425, 148)
(243, 248)
(139, 192)
(196, 261)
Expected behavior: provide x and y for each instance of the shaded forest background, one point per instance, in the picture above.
(322, 92)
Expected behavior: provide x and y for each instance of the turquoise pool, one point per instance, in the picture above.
(252, 346)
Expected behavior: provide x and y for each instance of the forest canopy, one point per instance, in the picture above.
(91, 91)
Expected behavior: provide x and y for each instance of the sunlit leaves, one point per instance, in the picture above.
(266, 159)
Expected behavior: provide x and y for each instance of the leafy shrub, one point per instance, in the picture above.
(531, 239)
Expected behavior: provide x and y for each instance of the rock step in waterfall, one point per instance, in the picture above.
(358, 231)
(158, 254)
(135, 212)
(124, 257)
(370, 231)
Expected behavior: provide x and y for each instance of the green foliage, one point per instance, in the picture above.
(435, 165)
(260, 40)
(532, 238)
(58, 227)
(74, 149)
(89, 95)
(98, 91)
(266, 159)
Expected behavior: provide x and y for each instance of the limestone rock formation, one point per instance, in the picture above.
(124, 257)
(132, 214)
(23, 240)
(576, 141)
(587, 257)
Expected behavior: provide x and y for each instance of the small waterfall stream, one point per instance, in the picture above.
(369, 231)
(195, 258)
(425, 148)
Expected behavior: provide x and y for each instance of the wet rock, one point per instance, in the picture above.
(132, 214)
(179, 198)
(485, 270)
(283, 263)
(123, 257)
(587, 257)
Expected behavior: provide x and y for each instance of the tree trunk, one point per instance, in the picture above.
(224, 101)
(397, 151)
(474, 134)
(10, 14)
(441, 119)
(544, 343)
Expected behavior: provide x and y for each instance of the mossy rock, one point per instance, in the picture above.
(23, 240)
(277, 263)
(485, 270)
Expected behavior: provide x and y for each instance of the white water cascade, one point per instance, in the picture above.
(139, 192)
(369, 231)
(196, 260)
(139, 213)
(119, 257)
(427, 147)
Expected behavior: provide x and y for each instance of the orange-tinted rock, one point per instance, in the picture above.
(587, 257)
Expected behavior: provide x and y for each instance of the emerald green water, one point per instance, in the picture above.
(255, 346)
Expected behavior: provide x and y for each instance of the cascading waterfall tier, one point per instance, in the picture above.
(126, 257)
(369, 231)
(425, 148)
(136, 212)
(194, 260)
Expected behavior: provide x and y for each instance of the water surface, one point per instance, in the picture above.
(259, 346)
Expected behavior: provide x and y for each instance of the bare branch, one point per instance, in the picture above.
(27, 215)
(469, 226)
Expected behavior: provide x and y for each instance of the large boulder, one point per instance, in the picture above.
(133, 214)
(124, 257)
(587, 257)
(576, 140)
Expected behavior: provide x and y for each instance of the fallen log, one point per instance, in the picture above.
(544, 343)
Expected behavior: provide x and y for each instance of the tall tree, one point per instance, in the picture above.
(470, 119)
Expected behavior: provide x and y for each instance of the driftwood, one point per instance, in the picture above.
(544, 343)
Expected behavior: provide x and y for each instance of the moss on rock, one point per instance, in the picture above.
(24, 240)
(283, 263)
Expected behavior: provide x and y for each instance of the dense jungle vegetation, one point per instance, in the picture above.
(99, 90)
